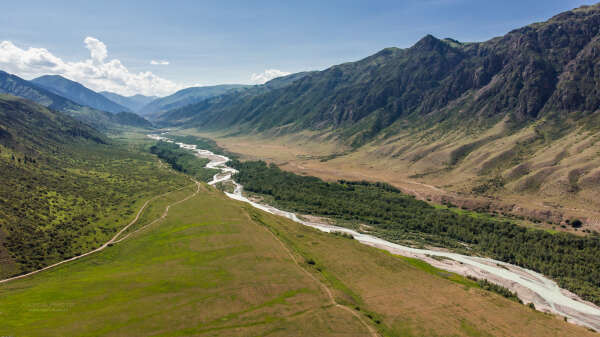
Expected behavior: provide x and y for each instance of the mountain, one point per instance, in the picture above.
(77, 93)
(33, 128)
(16, 86)
(228, 100)
(525, 75)
(185, 97)
(30, 137)
(131, 119)
(133, 103)
(509, 121)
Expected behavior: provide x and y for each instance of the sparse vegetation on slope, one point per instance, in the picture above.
(65, 187)
(522, 107)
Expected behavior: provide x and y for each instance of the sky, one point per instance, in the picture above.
(158, 47)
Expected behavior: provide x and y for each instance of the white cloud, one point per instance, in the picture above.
(159, 63)
(267, 75)
(97, 49)
(98, 72)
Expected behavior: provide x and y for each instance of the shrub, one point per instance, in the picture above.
(576, 223)
(342, 234)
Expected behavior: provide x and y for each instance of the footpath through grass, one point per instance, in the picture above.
(70, 200)
(205, 269)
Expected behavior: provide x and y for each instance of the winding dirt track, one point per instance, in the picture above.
(324, 287)
(114, 238)
(165, 213)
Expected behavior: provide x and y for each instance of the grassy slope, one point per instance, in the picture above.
(73, 198)
(212, 268)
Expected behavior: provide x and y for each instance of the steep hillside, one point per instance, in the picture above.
(33, 128)
(65, 187)
(185, 97)
(77, 93)
(16, 86)
(530, 73)
(133, 103)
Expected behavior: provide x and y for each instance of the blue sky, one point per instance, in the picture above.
(213, 42)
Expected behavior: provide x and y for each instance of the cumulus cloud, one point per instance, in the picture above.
(159, 63)
(97, 49)
(98, 72)
(267, 75)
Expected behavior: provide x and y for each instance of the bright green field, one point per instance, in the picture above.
(205, 269)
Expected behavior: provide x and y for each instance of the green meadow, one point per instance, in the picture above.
(216, 267)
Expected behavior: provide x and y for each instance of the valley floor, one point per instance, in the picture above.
(329, 161)
(214, 266)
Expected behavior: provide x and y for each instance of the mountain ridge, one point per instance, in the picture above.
(29, 125)
(185, 97)
(102, 120)
(78, 93)
(526, 74)
(134, 102)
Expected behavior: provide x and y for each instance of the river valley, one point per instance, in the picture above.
(531, 287)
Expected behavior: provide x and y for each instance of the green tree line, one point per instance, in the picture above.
(183, 160)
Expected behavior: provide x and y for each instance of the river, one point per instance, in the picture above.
(529, 285)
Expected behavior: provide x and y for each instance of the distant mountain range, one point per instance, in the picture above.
(16, 86)
(59, 93)
(186, 97)
(226, 102)
(78, 93)
(133, 103)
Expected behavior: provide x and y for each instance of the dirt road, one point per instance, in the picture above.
(113, 239)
